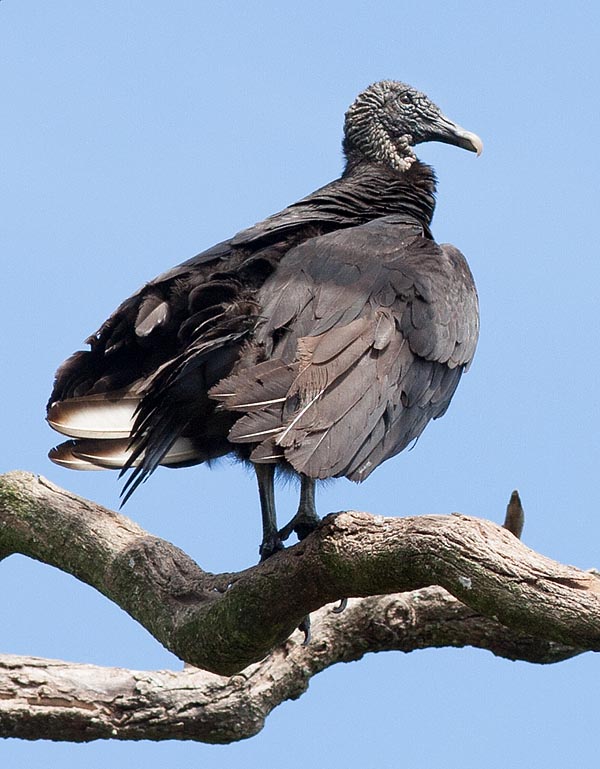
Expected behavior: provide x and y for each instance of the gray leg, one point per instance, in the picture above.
(306, 519)
(271, 541)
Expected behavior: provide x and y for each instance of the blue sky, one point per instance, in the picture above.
(135, 134)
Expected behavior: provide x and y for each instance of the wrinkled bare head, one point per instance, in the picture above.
(388, 118)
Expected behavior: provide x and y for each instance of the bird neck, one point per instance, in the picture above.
(387, 191)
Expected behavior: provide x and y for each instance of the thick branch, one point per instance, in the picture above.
(223, 623)
(227, 622)
(57, 700)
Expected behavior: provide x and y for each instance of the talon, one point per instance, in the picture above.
(304, 626)
(341, 606)
(285, 533)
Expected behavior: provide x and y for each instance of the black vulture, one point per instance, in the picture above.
(320, 341)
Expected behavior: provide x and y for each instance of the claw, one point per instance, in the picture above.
(304, 626)
(341, 606)
(286, 532)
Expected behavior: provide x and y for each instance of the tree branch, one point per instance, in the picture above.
(507, 599)
(47, 699)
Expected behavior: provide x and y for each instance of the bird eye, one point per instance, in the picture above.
(404, 98)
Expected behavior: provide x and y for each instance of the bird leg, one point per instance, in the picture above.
(306, 519)
(271, 541)
(303, 523)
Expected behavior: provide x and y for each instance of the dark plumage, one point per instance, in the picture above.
(321, 340)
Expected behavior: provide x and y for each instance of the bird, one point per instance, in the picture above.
(318, 343)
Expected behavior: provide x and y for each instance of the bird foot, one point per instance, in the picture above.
(269, 546)
(302, 524)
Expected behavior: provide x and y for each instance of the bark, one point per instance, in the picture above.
(418, 582)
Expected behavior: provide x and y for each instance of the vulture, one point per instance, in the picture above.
(320, 341)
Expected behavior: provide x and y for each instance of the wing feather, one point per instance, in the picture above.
(381, 325)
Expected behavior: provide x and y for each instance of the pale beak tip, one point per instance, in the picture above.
(477, 143)
(469, 141)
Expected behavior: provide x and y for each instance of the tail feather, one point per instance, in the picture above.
(94, 416)
(64, 455)
(92, 454)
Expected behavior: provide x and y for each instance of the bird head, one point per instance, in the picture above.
(388, 118)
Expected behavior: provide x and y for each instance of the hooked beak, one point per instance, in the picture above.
(444, 130)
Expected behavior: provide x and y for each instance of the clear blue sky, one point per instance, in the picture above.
(135, 134)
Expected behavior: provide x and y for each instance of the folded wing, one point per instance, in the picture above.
(367, 332)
